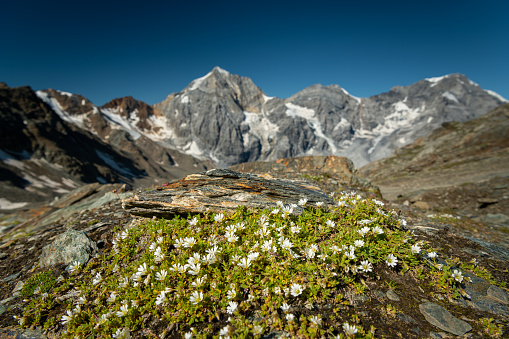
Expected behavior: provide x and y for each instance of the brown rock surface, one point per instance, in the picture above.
(221, 190)
(331, 173)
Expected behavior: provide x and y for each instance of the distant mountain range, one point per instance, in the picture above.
(48, 150)
(461, 167)
(219, 120)
(227, 119)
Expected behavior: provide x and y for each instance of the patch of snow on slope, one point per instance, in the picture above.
(496, 95)
(473, 83)
(267, 98)
(121, 122)
(259, 126)
(48, 182)
(109, 161)
(65, 93)
(9, 160)
(160, 129)
(401, 117)
(69, 183)
(184, 99)
(435, 80)
(197, 83)
(342, 124)
(354, 97)
(192, 148)
(55, 106)
(308, 114)
(451, 97)
(7, 205)
(293, 111)
(222, 71)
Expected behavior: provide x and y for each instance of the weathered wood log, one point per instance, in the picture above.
(220, 191)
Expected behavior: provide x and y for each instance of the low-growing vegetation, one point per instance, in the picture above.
(242, 275)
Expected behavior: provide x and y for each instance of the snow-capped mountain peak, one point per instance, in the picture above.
(223, 116)
(226, 118)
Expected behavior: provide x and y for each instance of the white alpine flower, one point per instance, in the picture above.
(416, 249)
(231, 294)
(123, 311)
(158, 255)
(391, 260)
(219, 217)
(161, 275)
(296, 289)
(316, 320)
(196, 297)
(349, 329)
(285, 307)
(286, 244)
(232, 306)
(457, 275)
(192, 222)
(194, 269)
(67, 318)
(161, 298)
(244, 262)
(97, 279)
(365, 266)
(189, 242)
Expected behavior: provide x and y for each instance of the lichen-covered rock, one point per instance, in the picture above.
(222, 190)
(68, 247)
(441, 318)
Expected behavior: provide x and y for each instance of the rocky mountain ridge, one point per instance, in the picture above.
(228, 119)
(223, 119)
(49, 147)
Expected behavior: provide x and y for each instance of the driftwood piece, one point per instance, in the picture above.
(220, 191)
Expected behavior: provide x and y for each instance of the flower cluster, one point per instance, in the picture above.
(221, 267)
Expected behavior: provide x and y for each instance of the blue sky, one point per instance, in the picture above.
(149, 49)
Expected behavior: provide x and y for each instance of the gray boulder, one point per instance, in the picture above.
(68, 247)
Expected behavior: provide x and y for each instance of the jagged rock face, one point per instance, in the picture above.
(227, 119)
(126, 107)
(398, 117)
(211, 117)
(480, 145)
(74, 104)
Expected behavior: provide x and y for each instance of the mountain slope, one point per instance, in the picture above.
(462, 165)
(480, 146)
(43, 156)
(52, 142)
(129, 125)
(226, 118)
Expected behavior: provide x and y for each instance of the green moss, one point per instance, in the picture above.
(312, 177)
(43, 280)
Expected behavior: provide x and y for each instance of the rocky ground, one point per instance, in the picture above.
(396, 304)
